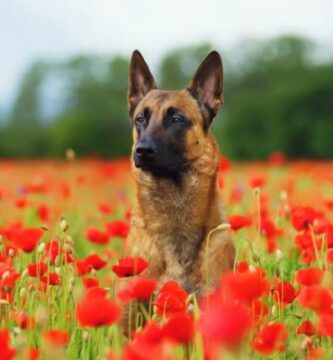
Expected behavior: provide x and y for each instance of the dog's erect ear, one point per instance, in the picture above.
(140, 80)
(207, 86)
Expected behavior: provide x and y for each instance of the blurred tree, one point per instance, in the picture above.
(276, 98)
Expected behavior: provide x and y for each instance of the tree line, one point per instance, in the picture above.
(278, 97)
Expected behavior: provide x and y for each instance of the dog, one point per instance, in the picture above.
(175, 161)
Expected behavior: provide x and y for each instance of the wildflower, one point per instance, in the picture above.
(306, 328)
(138, 289)
(51, 279)
(302, 217)
(179, 329)
(284, 292)
(325, 324)
(95, 309)
(56, 337)
(245, 286)
(6, 352)
(257, 181)
(309, 276)
(148, 344)
(315, 297)
(96, 236)
(117, 228)
(43, 213)
(95, 261)
(130, 266)
(224, 323)
(90, 282)
(105, 208)
(37, 269)
(26, 239)
(238, 222)
(171, 299)
(270, 339)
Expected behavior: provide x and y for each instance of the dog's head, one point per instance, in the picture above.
(171, 128)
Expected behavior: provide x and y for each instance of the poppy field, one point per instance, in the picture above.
(64, 281)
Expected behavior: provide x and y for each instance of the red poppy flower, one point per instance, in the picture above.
(43, 213)
(315, 297)
(52, 249)
(179, 329)
(325, 324)
(82, 267)
(7, 282)
(306, 328)
(269, 229)
(95, 261)
(105, 208)
(258, 309)
(23, 320)
(51, 279)
(257, 181)
(21, 203)
(117, 228)
(37, 269)
(148, 344)
(96, 236)
(302, 217)
(277, 158)
(129, 266)
(95, 310)
(26, 239)
(224, 163)
(245, 286)
(284, 292)
(90, 282)
(309, 276)
(242, 266)
(171, 299)
(223, 323)
(138, 289)
(31, 354)
(6, 352)
(239, 221)
(271, 338)
(58, 338)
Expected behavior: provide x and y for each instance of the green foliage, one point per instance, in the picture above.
(276, 98)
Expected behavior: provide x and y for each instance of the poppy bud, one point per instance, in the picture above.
(63, 225)
(278, 255)
(86, 336)
(41, 248)
(23, 292)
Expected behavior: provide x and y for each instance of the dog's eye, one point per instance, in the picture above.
(140, 119)
(176, 119)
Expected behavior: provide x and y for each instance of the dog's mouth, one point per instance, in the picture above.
(173, 171)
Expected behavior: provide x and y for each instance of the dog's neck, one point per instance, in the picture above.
(185, 203)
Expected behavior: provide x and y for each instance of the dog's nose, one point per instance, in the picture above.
(145, 150)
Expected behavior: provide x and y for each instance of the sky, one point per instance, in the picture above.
(44, 29)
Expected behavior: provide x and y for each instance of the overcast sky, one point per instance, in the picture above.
(31, 29)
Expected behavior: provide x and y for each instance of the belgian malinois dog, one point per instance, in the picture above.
(175, 161)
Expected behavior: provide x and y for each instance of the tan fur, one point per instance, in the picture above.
(170, 222)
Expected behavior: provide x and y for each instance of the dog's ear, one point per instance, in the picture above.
(140, 80)
(207, 86)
